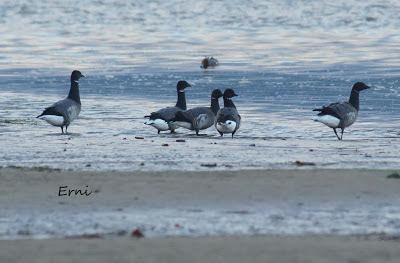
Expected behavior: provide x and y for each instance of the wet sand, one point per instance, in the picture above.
(321, 249)
(97, 228)
(251, 202)
(111, 134)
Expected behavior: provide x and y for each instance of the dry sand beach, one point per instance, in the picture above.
(334, 203)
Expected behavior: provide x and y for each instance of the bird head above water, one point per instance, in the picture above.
(229, 93)
(76, 75)
(182, 85)
(209, 62)
(217, 93)
(204, 63)
(359, 86)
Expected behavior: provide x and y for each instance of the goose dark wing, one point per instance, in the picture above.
(166, 114)
(60, 108)
(339, 110)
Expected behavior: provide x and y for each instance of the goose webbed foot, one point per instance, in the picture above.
(173, 131)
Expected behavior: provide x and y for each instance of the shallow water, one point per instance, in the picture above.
(103, 35)
(276, 129)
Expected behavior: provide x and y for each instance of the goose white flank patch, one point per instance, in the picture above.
(184, 124)
(63, 112)
(53, 120)
(199, 118)
(342, 114)
(162, 118)
(159, 124)
(228, 118)
(328, 120)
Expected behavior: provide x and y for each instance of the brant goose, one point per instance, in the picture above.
(63, 112)
(228, 118)
(199, 118)
(161, 119)
(341, 114)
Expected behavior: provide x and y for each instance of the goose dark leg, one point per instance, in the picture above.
(158, 131)
(233, 134)
(66, 129)
(220, 133)
(197, 132)
(173, 131)
(336, 134)
(341, 137)
(62, 129)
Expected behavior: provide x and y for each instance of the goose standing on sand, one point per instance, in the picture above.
(228, 118)
(199, 118)
(341, 114)
(161, 119)
(63, 112)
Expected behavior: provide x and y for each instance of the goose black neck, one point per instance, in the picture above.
(214, 105)
(181, 102)
(229, 103)
(355, 99)
(74, 92)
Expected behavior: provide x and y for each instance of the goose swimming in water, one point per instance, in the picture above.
(161, 119)
(199, 118)
(341, 114)
(228, 118)
(63, 112)
(209, 62)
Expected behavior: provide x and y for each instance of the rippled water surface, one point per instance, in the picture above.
(283, 58)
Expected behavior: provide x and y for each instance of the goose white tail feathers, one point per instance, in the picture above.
(328, 120)
(54, 120)
(226, 127)
(159, 124)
